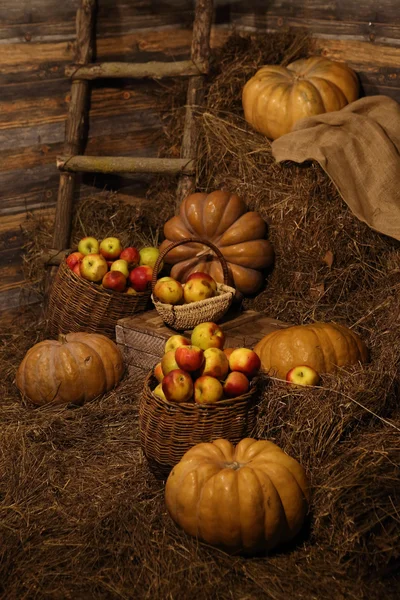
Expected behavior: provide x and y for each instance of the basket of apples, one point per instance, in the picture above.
(198, 392)
(99, 284)
(200, 299)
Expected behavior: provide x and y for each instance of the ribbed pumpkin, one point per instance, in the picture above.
(245, 499)
(323, 346)
(221, 218)
(75, 368)
(276, 97)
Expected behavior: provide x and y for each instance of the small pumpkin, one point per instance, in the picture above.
(221, 218)
(245, 499)
(276, 97)
(322, 346)
(75, 368)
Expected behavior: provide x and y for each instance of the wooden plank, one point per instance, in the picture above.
(122, 164)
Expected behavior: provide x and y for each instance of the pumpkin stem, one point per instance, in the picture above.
(62, 337)
(233, 465)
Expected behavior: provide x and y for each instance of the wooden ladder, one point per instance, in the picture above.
(81, 73)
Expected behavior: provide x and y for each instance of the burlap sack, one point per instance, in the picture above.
(359, 148)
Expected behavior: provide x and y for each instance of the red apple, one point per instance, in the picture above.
(110, 248)
(74, 258)
(216, 363)
(244, 360)
(168, 292)
(175, 341)
(139, 278)
(158, 391)
(196, 290)
(120, 265)
(208, 335)
(114, 280)
(207, 390)
(77, 269)
(205, 276)
(177, 386)
(303, 375)
(88, 245)
(131, 255)
(158, 372)
(189, 358)
(168, 362)
(93, 267)
(236, 384)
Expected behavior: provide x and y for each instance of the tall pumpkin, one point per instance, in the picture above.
(323, 346)
(276, 97)
(75, 368)
(244, 499)
(221, 218)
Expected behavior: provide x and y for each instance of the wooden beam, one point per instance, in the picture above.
(120, 164)
(152, 69)
(75, 134)
(52, 256)
(200, 54)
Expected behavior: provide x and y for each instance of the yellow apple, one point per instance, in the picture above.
(303, 375)
(88, 245)
(158, 391)
(244, 360)
(177, 386)
(208, 335)
(207, 390)
(110, 248)
(175, 341)
(196, 290)
(168, 362)
(120, 265)
(216, 363)
(93, 267)
(158, 372)
(168, 292)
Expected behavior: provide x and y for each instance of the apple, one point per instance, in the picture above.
(148, 256)
(303, 375)
(216, 363)
(158, 391)
(197, 289)
(110, 248)
(77, 269)
(131, 255)
(228, 351)
(131, 291)
(88, 245)
(177, 386)
(168, 362)
(166, 278)
(120, 265)
(73, 259)
(208, 335)
(114, 280)
(244, 360)
(168, 292)
(207, 390)
(158, 372)
(175, 341)
(236, 384)
(205, 276)
(93, 267)
(139, 278)
(189, 358)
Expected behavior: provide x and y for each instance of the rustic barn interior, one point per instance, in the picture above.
(82, 515)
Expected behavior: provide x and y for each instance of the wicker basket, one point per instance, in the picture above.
(187, 316)
(168, 430)
(79, 305)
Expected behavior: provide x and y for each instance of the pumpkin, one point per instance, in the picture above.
(276, 97)
(322, 346)
(221, 218)
(245, 499)
(75, 368)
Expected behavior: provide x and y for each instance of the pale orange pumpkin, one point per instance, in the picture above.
(275, 98)
(221, 218)
(322, 346)
(245, 499)
(73, 369)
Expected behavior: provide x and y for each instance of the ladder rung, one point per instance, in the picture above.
(127, 70)
(118, 164)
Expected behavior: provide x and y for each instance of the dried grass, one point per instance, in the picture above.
(82, 517)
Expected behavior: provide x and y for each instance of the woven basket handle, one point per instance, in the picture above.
(173, 245)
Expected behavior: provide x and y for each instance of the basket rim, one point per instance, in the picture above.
(193, 405)
(226, 290)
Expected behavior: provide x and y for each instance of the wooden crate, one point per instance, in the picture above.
(142, 337)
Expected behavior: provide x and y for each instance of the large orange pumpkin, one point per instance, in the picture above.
(323, 346)
(276, 97)
(75, 368)
(221, 218)
(244, 499)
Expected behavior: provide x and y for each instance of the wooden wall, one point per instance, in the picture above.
(36, 38)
